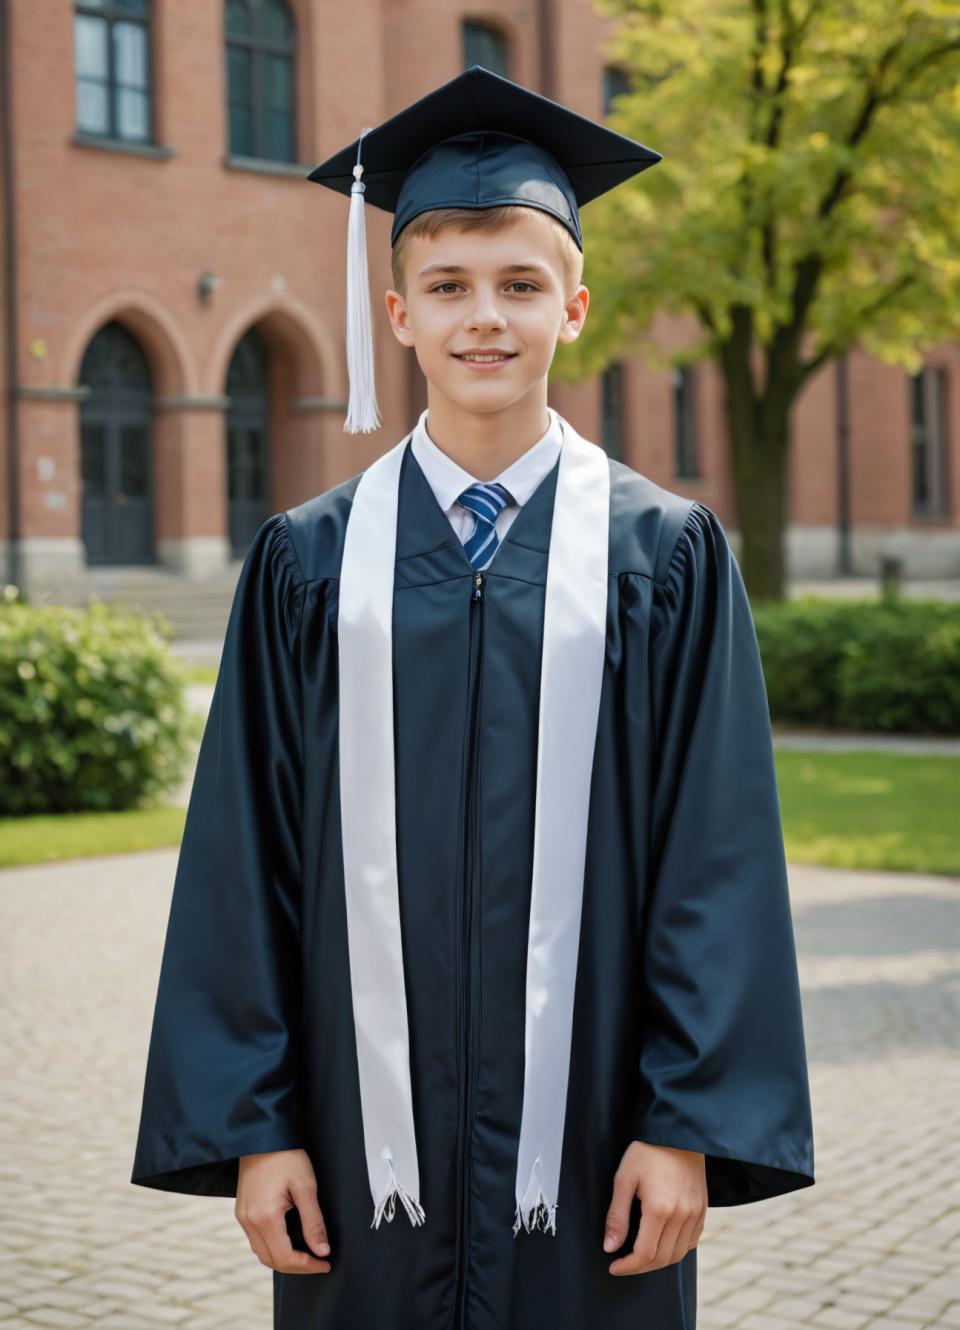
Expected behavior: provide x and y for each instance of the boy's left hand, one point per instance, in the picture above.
(672, 1187)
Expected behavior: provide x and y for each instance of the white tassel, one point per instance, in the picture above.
(362, 412)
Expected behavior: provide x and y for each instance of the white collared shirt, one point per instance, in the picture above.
(448, 479)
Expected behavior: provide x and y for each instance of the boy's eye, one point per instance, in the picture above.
(518, 282)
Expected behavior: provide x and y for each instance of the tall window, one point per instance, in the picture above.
(112, 68)
(484, 45)
(611, 430)
(928, 441)
(615, 83)
(261, 42)
(686, 461)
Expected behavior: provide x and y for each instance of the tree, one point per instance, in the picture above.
(808, 198)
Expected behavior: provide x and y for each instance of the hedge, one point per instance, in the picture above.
(891, 664)
(93, 712)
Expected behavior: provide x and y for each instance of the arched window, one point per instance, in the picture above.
(112, 68)
(483, 44)
(115, 449)
(261, 42)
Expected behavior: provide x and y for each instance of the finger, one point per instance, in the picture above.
(686, 1239)
(653, 1216)
(618, 1215)
(304, 1193)
(257, 1244)
(284, 1255)
(669, 1239)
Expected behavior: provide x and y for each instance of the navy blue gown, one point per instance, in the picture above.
(687, 1027)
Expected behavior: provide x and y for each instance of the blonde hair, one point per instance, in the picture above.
(432, 222)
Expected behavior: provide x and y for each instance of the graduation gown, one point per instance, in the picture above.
(687, 1027)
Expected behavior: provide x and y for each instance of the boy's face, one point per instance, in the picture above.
(503, 291)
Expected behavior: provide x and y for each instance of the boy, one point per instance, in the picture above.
(482, 899)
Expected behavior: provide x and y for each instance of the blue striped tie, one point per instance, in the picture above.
(486, 502)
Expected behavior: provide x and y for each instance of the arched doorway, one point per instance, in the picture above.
(116, 450)
(248, 454)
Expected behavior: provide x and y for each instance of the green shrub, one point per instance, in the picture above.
(892, 664)
(92, 708)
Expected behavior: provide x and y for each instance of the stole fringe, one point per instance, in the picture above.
(386, 1206)
(541, 1213)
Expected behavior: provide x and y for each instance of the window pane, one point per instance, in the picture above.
(239, 82)
(241, 131)
(273, 22)
(92, 110)
(277, 82)
(277, 136)
(133, 114)
(130, 54)
(90, 35)
(238, 18)
(240, 93)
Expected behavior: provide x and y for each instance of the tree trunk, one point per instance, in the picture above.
(759, 434)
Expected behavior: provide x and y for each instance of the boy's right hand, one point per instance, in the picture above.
(268, 1185)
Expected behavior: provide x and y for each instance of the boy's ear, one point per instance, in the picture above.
(574, 315)
(397, 313)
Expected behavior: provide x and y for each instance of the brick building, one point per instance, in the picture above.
(172, 301)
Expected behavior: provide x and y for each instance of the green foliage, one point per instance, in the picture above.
(810, 178)
(92, 708)
(891, 665)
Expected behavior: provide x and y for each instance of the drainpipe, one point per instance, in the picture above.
(14, 562)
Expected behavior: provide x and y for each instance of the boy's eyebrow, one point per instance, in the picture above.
(530, 265)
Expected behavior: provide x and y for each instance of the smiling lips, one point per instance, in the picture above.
(484, 359)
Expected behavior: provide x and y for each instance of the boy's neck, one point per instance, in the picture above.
(486, 443)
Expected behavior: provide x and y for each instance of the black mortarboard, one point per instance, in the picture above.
(478, 141)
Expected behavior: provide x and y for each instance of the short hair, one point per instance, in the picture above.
(431, 222)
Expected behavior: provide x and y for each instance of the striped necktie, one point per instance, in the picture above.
(486, 501)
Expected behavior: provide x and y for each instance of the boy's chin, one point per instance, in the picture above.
(483, 394)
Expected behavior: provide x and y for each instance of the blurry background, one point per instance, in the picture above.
(774, 330)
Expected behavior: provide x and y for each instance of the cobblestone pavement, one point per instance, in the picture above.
(875, 1244)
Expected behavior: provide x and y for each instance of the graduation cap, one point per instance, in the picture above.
(500, 144)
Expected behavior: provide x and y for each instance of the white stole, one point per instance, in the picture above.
(574, 641)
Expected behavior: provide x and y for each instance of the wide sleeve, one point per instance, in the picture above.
(723, 1068)
(222, 1074)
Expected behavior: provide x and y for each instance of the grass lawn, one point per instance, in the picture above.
(42, 838)
(848, 810)
(871, 810)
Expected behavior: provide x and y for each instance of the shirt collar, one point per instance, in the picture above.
(448, 479)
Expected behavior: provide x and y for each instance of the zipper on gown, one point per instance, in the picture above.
(467, 976)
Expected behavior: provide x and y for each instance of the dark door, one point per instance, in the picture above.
(116, 450)
(248, 469)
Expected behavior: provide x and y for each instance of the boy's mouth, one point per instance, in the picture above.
(484, 357)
